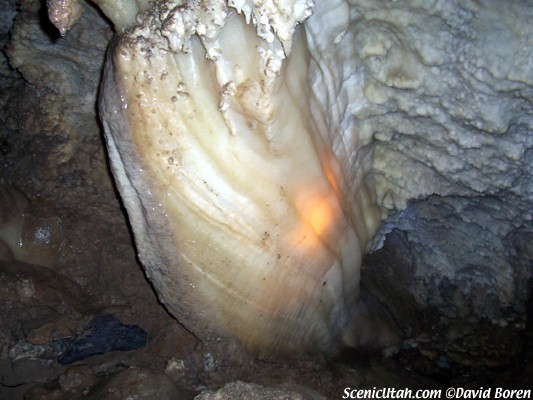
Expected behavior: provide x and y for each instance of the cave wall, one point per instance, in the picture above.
(56, 116)
(445, 92)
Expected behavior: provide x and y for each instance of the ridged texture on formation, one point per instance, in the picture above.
(248, 222)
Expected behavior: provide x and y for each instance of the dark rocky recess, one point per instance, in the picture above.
(454, 272)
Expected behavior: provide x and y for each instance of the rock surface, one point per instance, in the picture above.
(56, 113)
(249, 391)
(470, 306)
(448, 99)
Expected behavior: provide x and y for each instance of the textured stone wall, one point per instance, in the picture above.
(449, 101)
(57, 144)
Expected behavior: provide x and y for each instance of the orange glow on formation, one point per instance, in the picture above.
(329, 166)
(319, 208)
(320, 214)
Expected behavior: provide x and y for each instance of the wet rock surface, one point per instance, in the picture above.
(454, 271)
